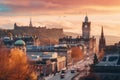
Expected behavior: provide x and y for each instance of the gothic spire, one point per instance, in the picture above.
(30, 25)
(102, 33)
(102, 41)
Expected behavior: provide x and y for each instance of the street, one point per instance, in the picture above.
(83, 67)
(68, 76)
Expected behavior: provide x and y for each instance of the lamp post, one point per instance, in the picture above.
(66, 60)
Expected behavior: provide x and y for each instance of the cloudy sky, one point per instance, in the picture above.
(67, 14)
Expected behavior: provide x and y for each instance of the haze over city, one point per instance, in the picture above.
(66, 14)
(59, 39)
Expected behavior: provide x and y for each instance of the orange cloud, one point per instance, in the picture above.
(39, 10)
(33, 7)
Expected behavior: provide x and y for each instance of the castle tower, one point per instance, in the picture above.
(102, 42)
(15, 25)
(30, 25)
(86, 28)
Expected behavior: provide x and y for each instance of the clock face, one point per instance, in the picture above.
(85, 26)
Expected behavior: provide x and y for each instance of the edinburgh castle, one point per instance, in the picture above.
(42, 33)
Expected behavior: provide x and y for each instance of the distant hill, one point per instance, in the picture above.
(109, 39)
(71, 34)
(45, 35)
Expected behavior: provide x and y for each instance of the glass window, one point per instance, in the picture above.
(34, 57)
(104, 59)
(113, 58)
(118, 61)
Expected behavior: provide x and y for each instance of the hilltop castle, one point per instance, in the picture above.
(31, 27)
(40, 32)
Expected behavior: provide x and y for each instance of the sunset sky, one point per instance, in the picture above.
(66, 14)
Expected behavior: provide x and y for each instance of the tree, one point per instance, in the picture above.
(77, 53)
(95, 59)
(14, 65)
(4, 62)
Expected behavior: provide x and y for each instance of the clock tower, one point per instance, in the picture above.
(86, 28)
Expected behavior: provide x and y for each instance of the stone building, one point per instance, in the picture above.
(31, 28)
(88, 43)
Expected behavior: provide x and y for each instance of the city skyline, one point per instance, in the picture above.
(66, 14)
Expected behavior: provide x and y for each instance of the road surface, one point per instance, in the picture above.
(68, 76)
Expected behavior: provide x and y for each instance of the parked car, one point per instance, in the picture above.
(62, 76)
(63, 70)
(72, 70)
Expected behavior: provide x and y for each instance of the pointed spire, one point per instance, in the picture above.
(86, 18)
(102, 33)
(30, 25)
(102, 41)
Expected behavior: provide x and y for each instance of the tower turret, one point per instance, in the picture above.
(86, 28)
(86, 18)
(15, 26)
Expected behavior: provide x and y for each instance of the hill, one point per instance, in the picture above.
(45, 35)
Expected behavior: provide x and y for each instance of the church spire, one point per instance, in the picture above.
(102, 42)
(30, 25)
(102, 33)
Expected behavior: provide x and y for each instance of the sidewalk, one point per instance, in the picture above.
(48, 77)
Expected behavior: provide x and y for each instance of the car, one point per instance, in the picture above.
(72, 70)
(63, 70)
(62, 76)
